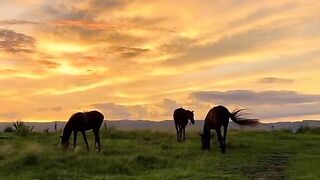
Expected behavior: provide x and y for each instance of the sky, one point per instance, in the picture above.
(141, 59)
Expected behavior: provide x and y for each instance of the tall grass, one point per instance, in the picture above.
(22, 129)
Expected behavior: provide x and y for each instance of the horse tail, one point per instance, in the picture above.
(236, 117)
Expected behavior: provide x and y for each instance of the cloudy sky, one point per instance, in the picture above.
(141, 59)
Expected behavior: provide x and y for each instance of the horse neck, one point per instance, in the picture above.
(67, 132)
(206, 129)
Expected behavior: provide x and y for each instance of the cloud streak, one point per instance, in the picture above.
(273, 80)
(13, 42)
(12, 116)
(116, 111)
(17, 22)
(233, 45)
(252, 97)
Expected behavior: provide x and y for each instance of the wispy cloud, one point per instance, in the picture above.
(272, 80)
(128, 52)
(252, 97)
(84, 24)
(58, 108)
(16, 22)
(49, 64)
(116, 111)
(13, 42)
(11, 116)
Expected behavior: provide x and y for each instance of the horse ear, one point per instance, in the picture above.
(61, 137)
(192, 111)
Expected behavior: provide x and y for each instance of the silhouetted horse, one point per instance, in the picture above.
(216, 118)
(181, 117)
(82, 121)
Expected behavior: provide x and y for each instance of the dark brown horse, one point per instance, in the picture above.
(181, 117)
(82, 121)
(216, 118)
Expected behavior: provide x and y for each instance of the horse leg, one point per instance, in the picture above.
(97, 138)
(177, 129)
(75, 133)
(85, 139)
(225, 130)
(180, 133)
(218, 131)
(184, 134)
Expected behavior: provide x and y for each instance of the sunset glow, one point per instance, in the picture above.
(142, 59)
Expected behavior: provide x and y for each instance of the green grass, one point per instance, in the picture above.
(154, 155)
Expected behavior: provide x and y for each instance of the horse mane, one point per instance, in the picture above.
(67, 130)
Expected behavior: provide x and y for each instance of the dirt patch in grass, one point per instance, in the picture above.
(149, 162)
(30, 159)
(269, 166)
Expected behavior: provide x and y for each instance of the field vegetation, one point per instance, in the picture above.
(156, 155)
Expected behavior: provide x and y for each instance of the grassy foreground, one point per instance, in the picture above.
(154, 155)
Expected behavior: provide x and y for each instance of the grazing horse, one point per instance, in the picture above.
(82, 121)
(181, 117)
(216, 118)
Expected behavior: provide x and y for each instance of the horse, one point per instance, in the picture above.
(82, 121)
(216, 118)
(181, 117)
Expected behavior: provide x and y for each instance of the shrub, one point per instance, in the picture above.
(8, 129)
(21, 128)
(305, 129)
(46, 131)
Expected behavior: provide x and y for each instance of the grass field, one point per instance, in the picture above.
(154, 155)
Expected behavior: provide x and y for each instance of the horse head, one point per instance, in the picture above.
(190, 115)
(205, 140)
(64, 142)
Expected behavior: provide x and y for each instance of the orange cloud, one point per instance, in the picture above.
(84, 24)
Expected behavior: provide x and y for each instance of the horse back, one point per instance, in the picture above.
(180, 117)
(95, 116)
(216, 117)
(86, 120)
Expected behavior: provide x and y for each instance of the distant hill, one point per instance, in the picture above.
(168, 125)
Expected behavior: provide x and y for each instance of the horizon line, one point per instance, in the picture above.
(40, 121)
